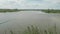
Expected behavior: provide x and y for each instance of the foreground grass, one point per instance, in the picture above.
(38, 30)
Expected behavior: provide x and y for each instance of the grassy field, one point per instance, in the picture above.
(51, 11)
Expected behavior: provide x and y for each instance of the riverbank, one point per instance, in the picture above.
(51, 11)
(42, 10)
(8, 10)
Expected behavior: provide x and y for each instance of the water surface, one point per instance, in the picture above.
(19, 20)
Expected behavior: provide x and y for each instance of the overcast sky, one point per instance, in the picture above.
(31, 4)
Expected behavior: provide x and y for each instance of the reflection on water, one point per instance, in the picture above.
(18, 20)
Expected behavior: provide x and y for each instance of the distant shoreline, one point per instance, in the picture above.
(43, 10)
(51, 11)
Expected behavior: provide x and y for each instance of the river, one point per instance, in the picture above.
(19, 20)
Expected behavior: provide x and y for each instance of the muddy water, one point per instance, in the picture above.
(19, 20)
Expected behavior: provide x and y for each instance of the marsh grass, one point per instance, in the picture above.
(37, 30)
(31, 30)
(11, 32)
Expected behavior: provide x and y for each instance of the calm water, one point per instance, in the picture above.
(19, 20)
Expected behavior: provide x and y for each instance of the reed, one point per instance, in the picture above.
(37, 30)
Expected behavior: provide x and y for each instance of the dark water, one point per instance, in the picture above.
(19, 20)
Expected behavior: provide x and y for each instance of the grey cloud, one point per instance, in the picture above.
(27, 4)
